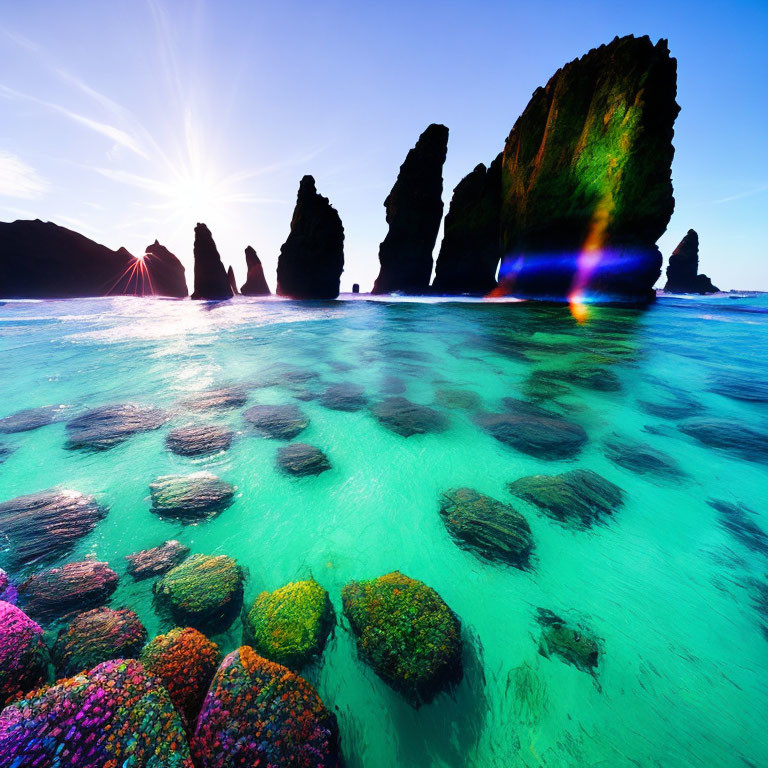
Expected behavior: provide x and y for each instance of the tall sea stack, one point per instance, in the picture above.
(683, 268)
(255, 283)
(414, 211)
(211, 281)
(312, 258)
(232, 280)
(166, 272)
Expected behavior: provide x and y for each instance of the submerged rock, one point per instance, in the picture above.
(260, 713)
(641, 458)
(255, 283)
(199, 440)
(290, 625)
(312, 258)
(575, 645)
(414, 211)
(280, 422)
(59, 592)
(470, 251)
(406, 418)
(302, 459)
(109, 425)
(738, 520)
(580, 497)
(683, 267)
(345, 396)
(23, 655)
(204, 592)
(5, 452)
(731, 436)
(96, 636)
(190, 498)
(211, 281)
(487, 527)
(407, 633)
(42, 527)
(585, 376)
(746, 389)
(221, 398)
(185, 661)
(156, 561)
(31, 418)
(463, 399)
(534, 431)
(114, 715)
(166, 272)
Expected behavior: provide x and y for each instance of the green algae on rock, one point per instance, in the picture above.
(260, 713)
(98, 635)
(576, 645)
(486, 526)
(302, 460)
(23, 655)
(204, 592)
(580, 497)
(114, 715)
(190, 498)
(407, 633)
(290, 625)
(185, 661)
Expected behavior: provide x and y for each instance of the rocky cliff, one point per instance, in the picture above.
(312, 258)
(167, 273)
(414, 211)
(255, 283)
(683, 268)
(470, 252)
(211, 281)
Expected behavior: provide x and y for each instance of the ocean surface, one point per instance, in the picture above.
(674, 588)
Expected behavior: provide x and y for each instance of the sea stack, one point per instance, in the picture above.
(469, 254)
(255, 283)
(414, 211)
(232, 281)
(683, 268)
(166, 272)
(211, 281)
(312, 258)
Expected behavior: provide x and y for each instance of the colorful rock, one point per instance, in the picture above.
(290, 625)
(114, 715)
(8, 592)
(157, 560)
(407, 633)
(190, 498)
(185, 660)
(260, 713)
(204, 592)
(95, 636)
(23, 655)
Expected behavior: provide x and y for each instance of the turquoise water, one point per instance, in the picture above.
(673, 595)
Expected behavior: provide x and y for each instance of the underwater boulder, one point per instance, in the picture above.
(491, 529)
(290, 625)
(345, 396)
(640, 458)
(41, 527)
(414, 211)
(114, 715)
(204, 592)
(60, 592)
(31, 418)
(740, 521)
(97, 635)
(5, 452)
(199, 440)
(260, 713)
(459, 399)
(255, 283)
(578, 498)
(190, 498)
(302, 459)
(683, 267)
(407, 633)
(406, 418)
(741, 388)
(109, 425)
(157, 560)
(279, 422)
(221, 398)
(576, 645)
(311, 260)
(585, 376)
(211, 281)
(730, 435)
(23, 655)
(185, 661)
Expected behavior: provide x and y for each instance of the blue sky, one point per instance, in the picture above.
(130, 120)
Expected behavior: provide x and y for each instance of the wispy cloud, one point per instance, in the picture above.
(741, 195)
(17, 179)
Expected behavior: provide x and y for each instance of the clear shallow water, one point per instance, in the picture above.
(672, 594)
